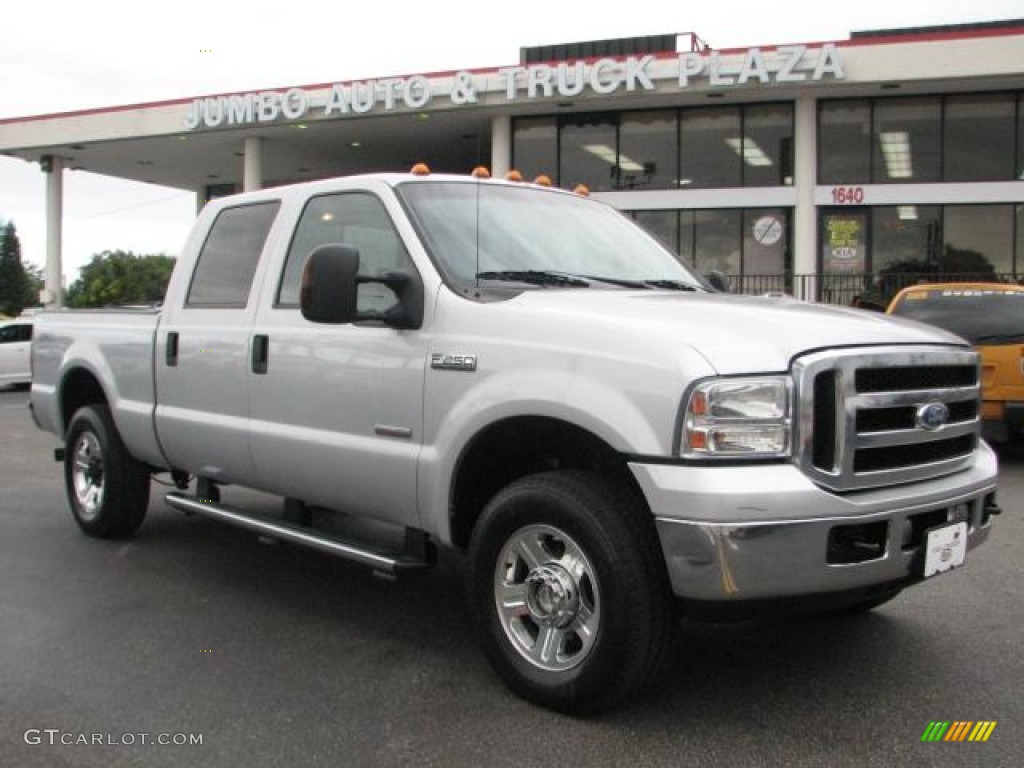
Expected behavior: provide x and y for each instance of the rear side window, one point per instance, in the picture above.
(230, 255)
(9, 334)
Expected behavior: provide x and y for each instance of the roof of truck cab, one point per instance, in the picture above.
(389, 179)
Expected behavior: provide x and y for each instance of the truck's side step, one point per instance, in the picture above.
(389, 565)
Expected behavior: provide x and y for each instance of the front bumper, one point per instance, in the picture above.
(733, 533)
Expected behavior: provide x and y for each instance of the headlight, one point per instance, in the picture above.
(730, 418)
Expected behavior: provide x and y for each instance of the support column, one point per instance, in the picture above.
(252, 176)
(501, 146)
(53, 167)
(805, 215)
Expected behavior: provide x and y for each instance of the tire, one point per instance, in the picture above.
(568, 589)
(107, 489)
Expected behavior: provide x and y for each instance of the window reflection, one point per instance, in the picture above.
(535, 147)
(844, 142)
(710, 147)
(768, 145)
(979, 137)
(906, 137)
(647, 151)
(588, 152)
(978, 239)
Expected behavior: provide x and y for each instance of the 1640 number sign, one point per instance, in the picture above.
(847, 195)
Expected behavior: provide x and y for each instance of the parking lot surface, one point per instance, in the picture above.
(123, 653)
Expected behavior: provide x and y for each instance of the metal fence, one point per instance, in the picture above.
(852, 289)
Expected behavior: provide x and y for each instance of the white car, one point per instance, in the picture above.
(15, 340)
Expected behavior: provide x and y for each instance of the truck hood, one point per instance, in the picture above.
(735, 334)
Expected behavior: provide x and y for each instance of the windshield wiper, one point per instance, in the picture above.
(534, 277)
(672, 285)
(998, 338)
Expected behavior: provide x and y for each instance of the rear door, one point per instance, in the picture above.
(204, 350)
(337, 410)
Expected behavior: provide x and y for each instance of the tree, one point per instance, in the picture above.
(35, 282)
(115, 278)
(14, 282)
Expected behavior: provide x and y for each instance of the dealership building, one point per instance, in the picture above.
(827, 170)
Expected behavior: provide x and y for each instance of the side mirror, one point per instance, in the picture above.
(330, 290)
(719, 281)
(329, 293)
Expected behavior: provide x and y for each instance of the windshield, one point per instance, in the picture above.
(480, 231)
(981, 315)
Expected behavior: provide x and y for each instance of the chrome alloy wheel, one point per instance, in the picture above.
(87, 474)
(547, 598)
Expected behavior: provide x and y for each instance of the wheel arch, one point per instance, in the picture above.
(79, 387)
(516, 446)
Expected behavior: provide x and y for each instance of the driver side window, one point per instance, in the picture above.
(356, 219)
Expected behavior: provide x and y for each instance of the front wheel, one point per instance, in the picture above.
(107, 488)
(569, 591)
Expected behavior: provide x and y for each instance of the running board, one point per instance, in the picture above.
(389, 565)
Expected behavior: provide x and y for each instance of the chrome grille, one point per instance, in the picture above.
(859, 422)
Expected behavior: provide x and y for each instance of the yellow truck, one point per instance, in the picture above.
(991, 317)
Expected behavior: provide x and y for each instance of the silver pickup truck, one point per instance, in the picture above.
(523, 375)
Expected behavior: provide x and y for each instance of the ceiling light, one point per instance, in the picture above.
(907, 212)
(355, 144)
(896, 153)
(751, 153)
(607, 154)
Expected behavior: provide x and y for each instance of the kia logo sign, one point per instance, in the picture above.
(932, 416)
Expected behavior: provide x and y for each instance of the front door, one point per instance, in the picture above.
(337, 412)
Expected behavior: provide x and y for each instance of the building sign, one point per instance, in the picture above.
(785, 64)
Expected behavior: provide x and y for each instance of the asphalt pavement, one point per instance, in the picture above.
(194, 643)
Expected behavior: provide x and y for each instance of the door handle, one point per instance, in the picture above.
(172, 349)
(260, 352)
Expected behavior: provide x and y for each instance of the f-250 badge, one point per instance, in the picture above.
(445, 362)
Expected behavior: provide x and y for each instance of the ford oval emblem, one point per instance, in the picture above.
(932, 416)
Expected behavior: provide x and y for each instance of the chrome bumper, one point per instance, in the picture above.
(760, 532)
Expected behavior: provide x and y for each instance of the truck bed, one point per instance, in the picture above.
(116, 346)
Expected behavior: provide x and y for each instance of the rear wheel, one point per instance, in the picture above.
(569, 591)
(107, 489)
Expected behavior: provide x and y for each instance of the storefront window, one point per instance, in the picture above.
(1020, 137)
(978, 239)
(978, 140)
(535, 146)
(764, 241)
(905, 239)
(907, 140)
(588, 150)
(710, 146)
(844, 142)
(1018, 264)
(716, 239)
(647, 150)
(768, 145)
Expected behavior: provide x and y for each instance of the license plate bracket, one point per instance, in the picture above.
(945, 548)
